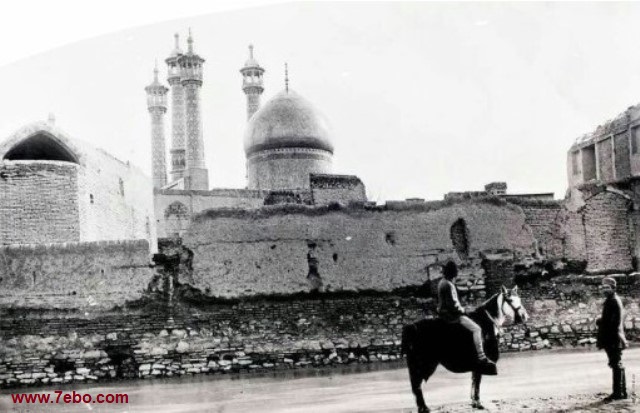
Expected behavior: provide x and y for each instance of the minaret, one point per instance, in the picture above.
(157, 105)
(252, 83)
(196, 174)
(177, 113)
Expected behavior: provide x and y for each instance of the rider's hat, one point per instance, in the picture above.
(450, 270)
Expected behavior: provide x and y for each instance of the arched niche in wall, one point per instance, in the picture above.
(460, 238)
(41, 147)
(177, 218)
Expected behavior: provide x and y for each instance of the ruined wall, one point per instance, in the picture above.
(607, 230)
(282, 250)
(87, 276)
(542, 218)
(38, 202)
(559, 231)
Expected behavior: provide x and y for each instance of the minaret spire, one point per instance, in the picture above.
(157, 106)
(190, 42)
(286, 77)
(178, 145)
(196, 174)
(252, 83)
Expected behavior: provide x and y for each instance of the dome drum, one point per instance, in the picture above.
(284, 169)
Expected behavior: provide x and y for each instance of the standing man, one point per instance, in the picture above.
(611, 337)
(451, 311)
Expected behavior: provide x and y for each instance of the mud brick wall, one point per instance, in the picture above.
(273, 250)
(88, 276)
(39, 202)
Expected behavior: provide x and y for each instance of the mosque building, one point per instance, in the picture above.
(287, 144)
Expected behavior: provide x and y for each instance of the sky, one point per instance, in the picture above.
(423, 98)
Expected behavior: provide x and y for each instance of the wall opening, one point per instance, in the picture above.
(390, 238)
(40, 147)
(313, 263)
(589, 163)
(635, 140)
(460, 239)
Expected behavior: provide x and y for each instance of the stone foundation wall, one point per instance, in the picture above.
(266, 334)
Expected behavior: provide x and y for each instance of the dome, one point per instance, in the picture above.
(287, 121)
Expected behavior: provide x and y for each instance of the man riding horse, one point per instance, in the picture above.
(451, 311)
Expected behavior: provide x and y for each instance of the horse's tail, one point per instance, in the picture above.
(408, 338)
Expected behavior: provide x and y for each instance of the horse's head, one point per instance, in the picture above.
(512, 307)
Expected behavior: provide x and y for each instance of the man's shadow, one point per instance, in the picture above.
(615, 405)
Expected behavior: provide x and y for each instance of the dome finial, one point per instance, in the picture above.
(190, 41)
(176, 36)
(155, 71)
(286, 77)
(51, 120)
(250, 51)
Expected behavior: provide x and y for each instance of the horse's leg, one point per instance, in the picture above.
(476, 378)
(415, 375)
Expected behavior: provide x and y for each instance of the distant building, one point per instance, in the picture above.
(499, 189)
(289, 153)
(55, 189)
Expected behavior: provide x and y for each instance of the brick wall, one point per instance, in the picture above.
(272, 250)
(542, 218)
(38, 202)
(607, 229)
(87, 276)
